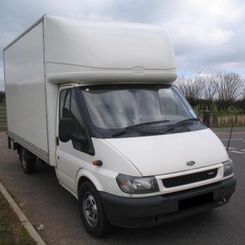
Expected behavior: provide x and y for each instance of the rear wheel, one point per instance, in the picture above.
(91, 211)
(28, 161)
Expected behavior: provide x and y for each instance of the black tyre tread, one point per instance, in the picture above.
(30, 167)
(103, 226)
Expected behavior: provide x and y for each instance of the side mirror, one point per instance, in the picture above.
(81, 139)
(65, 129)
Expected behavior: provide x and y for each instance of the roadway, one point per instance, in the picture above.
(45, 202)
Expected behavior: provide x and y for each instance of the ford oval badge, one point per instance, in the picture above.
(190, 163)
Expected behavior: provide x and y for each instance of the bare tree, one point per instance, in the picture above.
(228, 88)
(220, 87)
(191, 88)
(242, 100)
(210, 88)
(243, 90)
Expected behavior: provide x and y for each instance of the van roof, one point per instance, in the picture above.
(78, 50)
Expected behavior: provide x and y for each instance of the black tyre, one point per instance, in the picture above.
(91, 211)
(28, 161)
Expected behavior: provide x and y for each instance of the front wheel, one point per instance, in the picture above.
(28, 161)
(91, 211)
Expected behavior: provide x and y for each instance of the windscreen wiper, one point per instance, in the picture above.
(142, 125)
(181, 123)
(138, 127)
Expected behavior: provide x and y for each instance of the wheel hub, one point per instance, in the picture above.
(90, 209)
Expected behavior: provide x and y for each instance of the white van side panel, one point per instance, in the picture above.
(25, 92)
(109, 52)
(108, 45)
(52, 98)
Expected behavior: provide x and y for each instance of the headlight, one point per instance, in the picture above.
(228, 168)
(137, 185)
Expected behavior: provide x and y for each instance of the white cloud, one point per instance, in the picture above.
(204, 31)
(187, 34)
(206, 34)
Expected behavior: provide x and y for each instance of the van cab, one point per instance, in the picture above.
(152, 159)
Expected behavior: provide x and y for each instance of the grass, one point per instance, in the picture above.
(11, 229)
(2, 117)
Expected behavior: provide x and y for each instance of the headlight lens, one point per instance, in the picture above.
(228, 168)
(137, 185)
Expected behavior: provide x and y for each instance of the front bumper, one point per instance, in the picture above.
(150, 211)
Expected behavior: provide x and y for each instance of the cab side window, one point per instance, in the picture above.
(75, 114)
(69, 108)
(65, 101)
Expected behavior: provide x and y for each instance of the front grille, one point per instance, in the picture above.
(190, 178)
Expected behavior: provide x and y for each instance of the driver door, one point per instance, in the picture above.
(71, 155)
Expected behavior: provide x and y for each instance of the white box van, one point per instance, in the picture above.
(97, 102)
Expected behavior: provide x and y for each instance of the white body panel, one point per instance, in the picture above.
(73, 164)
(106, 45)
(25, 91)
(106, 52)
(165, 154)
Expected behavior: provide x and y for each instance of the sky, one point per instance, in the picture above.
(206, 35)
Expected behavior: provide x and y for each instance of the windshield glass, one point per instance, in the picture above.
(117, 108)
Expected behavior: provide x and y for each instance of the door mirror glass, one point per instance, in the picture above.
(65, 129)
(81, 139)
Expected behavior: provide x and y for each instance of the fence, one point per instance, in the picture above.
(224, 121)
(215, 120)
(2, 96)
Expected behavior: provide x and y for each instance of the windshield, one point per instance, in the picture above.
(120, 107)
